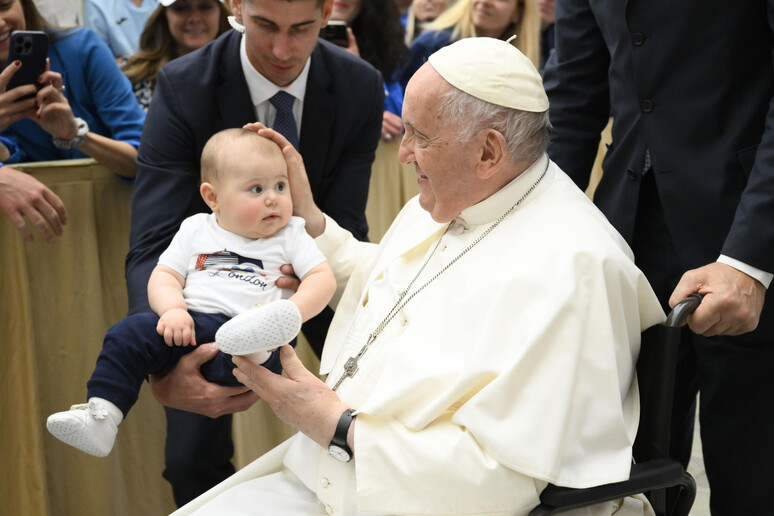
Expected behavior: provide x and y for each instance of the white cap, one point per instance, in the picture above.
(492, 70)
(167, 3)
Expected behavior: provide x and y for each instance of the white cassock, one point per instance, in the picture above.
(515, 367)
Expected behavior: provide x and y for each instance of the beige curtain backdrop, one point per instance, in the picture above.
(58, 300)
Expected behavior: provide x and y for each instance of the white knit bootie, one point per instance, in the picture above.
(260, 329)
(91, 427)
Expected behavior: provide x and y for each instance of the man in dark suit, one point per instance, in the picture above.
(689, 182)
(337, 103)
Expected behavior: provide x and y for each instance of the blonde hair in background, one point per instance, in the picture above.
(411, 25)
(459, 18)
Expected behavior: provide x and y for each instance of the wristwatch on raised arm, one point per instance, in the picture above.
(338, 448)
(80, 137)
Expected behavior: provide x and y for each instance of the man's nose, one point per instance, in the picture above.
(405, 152)
(281, 47)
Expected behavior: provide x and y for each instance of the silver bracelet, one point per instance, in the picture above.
(79, 139)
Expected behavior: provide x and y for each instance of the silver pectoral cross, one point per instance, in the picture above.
(350, 366)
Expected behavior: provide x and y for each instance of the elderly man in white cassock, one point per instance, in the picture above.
(485, 347)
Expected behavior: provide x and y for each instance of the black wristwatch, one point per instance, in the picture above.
(338, 447)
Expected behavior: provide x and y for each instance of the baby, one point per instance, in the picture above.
(215, 282)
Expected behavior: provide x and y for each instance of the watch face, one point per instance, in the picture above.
(339, 453)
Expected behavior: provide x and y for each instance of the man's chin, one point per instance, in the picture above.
(437, 214)
(426, 204)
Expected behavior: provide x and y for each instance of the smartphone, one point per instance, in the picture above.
(336, 33)
(30, 47)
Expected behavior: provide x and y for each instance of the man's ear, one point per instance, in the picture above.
(327, 11)
(493, 151)
(236, 10)
(209, 196)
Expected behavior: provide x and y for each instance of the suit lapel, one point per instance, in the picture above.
(234, 104)
(318, 120)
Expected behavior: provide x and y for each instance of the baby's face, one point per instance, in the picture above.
(254, 196)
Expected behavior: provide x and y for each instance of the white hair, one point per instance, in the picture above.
(526, 133)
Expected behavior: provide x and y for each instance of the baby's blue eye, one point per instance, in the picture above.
(280, 187)
(256, 189)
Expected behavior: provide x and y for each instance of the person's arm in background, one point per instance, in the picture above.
(117, 108)
(14, 108)
(575, 79)
(100, 95)
(735, 286)
(24, 197)
(56, 117)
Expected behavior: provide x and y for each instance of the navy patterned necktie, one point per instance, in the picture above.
(284, 121)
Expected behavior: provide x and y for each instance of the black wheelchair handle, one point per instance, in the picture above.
(682, 310)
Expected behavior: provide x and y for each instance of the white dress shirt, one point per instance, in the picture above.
(262, 89)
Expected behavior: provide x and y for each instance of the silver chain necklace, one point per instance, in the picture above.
(351, 365)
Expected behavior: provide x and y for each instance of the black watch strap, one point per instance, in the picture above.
(340, 436)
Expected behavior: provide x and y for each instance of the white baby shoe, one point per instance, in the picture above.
(260, 329)
(91, 427)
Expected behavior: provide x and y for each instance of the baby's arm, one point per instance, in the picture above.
(165, 293)
(315, 291)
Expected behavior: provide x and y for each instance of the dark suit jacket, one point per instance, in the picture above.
(693, 81)
(203, 92)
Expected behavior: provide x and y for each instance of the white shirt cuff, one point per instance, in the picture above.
(762, 276)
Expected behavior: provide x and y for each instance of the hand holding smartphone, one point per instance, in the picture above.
(31, 48)
(336, 33)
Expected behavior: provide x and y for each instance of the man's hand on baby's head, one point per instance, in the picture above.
(177, 327)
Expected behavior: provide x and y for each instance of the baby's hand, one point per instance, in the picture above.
(177, 327)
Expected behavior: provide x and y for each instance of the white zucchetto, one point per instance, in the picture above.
(492, 70)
